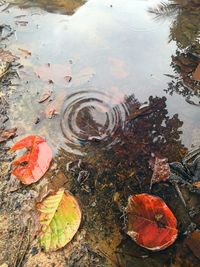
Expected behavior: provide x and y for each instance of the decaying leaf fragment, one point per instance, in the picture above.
(30, 167)
(196, 74)
(151, 224)
(60, 218)
(44, 96)
(161, 170)
(7, 134)
(193, 243)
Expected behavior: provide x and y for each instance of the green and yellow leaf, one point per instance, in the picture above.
(59, 217)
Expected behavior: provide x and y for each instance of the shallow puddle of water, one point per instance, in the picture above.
(119, 92)
(106, 47)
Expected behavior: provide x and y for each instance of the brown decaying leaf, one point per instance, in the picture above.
(52, 113)
(25, 52)
(193, 243)
(7, 134)
(55, 106)
(197, 184)
(7, 56)
(161, 170)
(44, 96)
(68, 78)
(196, 74)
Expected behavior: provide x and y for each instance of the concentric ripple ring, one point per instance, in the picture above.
(91, 115)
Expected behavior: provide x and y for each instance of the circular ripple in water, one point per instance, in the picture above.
(91, 115)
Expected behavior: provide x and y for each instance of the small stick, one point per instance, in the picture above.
(19, 248)
(179, 194)
(27, 246)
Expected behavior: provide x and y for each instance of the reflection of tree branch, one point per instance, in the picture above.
(185, 31)
(165, 10)
(152, 130)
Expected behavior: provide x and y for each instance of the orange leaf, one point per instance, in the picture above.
(32, 165)
(151, 224)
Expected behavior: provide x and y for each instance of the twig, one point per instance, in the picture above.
(19, 248)
(27, 246)
(179, 193)
(108, 257)
(3, 74)
(16, 263)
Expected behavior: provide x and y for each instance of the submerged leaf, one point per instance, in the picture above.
(193, 243)
(60, 217)
(30, 167)
(161, 170)
(151, 224)
(196, 74)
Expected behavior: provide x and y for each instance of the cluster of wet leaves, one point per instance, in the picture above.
(57, 227)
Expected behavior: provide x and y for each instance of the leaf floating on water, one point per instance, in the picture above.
(44, 96)
(196, 74)
(30, 167)
(25, 52)
(161, 170)
(151, 224)
(60, 218)
(68, 78)
(52, 112)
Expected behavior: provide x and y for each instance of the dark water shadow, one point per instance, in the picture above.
(120, 170)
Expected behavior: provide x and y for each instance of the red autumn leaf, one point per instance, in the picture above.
(30, 167)
(151, 224)
(161, 170)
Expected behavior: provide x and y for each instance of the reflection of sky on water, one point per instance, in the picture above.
(126, 50)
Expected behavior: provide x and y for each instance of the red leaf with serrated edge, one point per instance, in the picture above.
(30, 167)
(151, 224)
